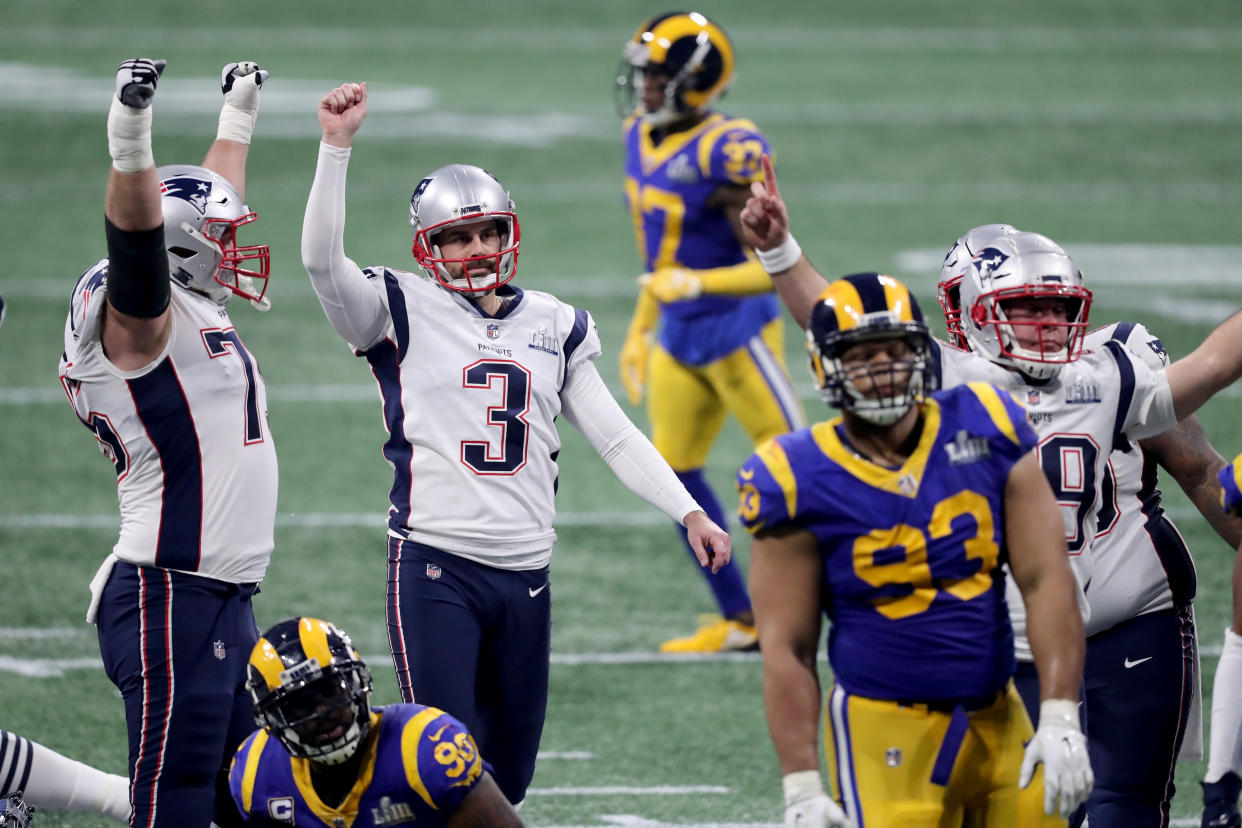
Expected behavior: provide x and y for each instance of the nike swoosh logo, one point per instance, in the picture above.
(1130, 663)
(535, 592)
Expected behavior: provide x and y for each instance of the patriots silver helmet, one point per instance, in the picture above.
(1016, 267)
(956, 261)
(202, 214)
(463, 194)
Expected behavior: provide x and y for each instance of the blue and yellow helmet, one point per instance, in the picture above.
(311, 689)
(694, 54)
(870, 308)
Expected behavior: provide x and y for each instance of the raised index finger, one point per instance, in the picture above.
(769, 176)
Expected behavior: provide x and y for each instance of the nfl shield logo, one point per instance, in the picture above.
(433, 571)
(892, 757)
(908, 485)
(1032, 397)
(217, 649)
(493, 330)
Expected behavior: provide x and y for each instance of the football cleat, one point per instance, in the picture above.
(1220, 802)
(715, 635)
(15, 812)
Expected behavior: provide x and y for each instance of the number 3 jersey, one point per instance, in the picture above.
(911, 556)
(669, 188)
(470, 403)
(416, 769)
(188, 435)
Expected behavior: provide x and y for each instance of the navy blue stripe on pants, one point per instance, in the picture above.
(1138, 680)
(176, 645)
(475, 641)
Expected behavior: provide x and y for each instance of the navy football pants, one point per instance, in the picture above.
(1138, 685)
(474, 641)
(176, 646)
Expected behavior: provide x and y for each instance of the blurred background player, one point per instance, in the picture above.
(16, 812)
(706, 335)
(325, 757)
(1142, 654)
(473, 372)
(47, 779)
(891, 520)
(154, 369)
(1221, 783)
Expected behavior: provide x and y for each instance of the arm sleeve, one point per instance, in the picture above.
(591, 409)
(137, 271)
(353, 306)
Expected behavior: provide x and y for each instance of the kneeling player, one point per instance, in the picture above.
(325, 757)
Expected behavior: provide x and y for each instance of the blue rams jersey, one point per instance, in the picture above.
(1230, 478)
(417, 769)
(911, 556)
(668, 188)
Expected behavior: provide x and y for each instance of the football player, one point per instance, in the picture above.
(705, 339)
(325, 757)
(1024, 308)
(46, 779)
(1221, 783)
(16, 812)
(1142, 656)
(156, 372)
(473, 372)
(891, 520)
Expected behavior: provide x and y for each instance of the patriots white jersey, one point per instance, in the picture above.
(957, 367)
(1080, 416)
(188, 435)
(470, 403)
(1139, 561)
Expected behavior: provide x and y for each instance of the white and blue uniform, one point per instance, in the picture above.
(470, 403)
(196, 481)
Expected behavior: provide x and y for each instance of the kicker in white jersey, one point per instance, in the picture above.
(183, 434)
(484, 455)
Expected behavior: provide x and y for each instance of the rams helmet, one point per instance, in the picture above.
(1023, 266)
(868, 308)
(311, 689)
(202, 214)
(948, 289)
(459, 194)
(692, 52)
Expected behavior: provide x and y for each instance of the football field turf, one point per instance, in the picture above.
(1112, 127)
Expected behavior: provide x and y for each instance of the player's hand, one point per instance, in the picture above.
(806, 804)
(634, 356)
(711, 544)
(765, 221)
(136, 80)
(341, 113)
(240, 82)
(672, 284)
(1060, 745)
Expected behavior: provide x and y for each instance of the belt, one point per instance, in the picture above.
(970, 704)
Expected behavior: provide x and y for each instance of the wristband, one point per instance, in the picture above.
(782, 257)
(1063, 711)
(236, 124)
(129, 137)
(801, 785)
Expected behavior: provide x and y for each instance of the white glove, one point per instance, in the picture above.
(240, 83)
(136, 80)
(129, 118)
(806, 804)
(1060, 745)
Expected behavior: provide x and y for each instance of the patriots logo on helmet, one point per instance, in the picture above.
(418, 193)
(989, 259)
(193, 190)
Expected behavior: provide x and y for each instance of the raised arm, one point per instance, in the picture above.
(240, 83)
(1185, 452)
(352, 306)
(1215, 364)
(765, 227)
(136, 318)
